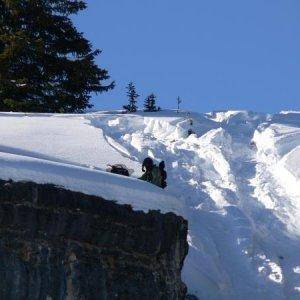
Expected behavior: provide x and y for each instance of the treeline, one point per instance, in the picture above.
(47, 65)
(149, 103)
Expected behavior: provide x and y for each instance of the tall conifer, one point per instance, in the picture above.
(46, 65)
(132, 98)
(149, 104)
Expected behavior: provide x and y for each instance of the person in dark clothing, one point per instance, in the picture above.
(154, 174)
(147, 168)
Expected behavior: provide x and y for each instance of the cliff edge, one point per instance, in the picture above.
(59, 244)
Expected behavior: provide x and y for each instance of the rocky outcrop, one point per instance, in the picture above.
(59, 244)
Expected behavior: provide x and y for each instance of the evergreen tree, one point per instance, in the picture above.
(132, 96)
(46, 65)
(149, 104)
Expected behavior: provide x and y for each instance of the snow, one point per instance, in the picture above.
(113, 187)
(236, 180)
(68, 151)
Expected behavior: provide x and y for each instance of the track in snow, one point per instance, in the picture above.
(239, 248)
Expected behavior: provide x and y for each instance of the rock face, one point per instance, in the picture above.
(59, 244)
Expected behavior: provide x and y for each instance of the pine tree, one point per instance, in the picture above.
(149, 104)
(46, 65)
(132, 96)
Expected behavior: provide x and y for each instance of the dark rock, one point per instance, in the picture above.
(191, 297)
(59, 244)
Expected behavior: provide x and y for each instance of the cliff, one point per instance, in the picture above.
(59, 244)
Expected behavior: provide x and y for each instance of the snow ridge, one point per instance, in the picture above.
(224, 177)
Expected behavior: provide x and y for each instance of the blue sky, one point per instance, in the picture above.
(215, 54)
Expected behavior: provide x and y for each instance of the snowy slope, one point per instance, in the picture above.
(67, 151)
(236, 181)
